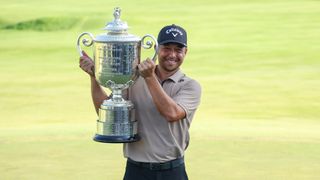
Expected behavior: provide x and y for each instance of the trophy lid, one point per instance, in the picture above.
(117, 30)
(117, 26)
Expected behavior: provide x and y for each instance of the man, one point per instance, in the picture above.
(165, 100)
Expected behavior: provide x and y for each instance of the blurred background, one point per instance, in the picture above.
(258, 63)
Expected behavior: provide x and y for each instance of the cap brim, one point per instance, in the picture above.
(173, 41)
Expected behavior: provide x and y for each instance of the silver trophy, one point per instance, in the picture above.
(116, 55)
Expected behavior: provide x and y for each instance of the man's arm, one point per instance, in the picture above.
(97, 93)
(164, 103)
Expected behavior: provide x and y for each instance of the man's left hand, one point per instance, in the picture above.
(146, 68)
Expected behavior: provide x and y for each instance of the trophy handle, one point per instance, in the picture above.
(149, 45)
(85, 42)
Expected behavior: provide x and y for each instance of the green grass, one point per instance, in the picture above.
(44, 24)
(257, 61)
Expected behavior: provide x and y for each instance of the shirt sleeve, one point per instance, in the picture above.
(189, 97)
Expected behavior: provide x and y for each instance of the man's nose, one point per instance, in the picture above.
(172, 53)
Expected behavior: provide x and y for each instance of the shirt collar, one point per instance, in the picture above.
(176, 76)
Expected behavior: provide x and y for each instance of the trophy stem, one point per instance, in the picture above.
(117, 95)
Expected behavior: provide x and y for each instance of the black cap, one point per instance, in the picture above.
(172, 34)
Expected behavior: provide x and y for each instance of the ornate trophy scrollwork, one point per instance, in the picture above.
(86, 42)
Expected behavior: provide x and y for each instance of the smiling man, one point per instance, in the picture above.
(165, 100)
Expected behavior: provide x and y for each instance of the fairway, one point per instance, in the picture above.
(258, 63)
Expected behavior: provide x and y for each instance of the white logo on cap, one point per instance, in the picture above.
(172, 30)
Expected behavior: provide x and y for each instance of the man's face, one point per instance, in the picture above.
(171, 56)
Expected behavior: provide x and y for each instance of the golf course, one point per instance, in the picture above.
(258, 62)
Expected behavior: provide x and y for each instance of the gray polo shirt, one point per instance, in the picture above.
(162, 140)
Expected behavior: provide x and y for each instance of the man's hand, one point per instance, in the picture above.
(146, 68)
(86, 64)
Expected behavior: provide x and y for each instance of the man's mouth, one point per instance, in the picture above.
(171, 61)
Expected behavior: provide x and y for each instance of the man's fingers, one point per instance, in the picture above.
(82, 58)
(85, 62)
(85, 57)
(143, 66)
(87, 67)
(90, 71)
(148, 64)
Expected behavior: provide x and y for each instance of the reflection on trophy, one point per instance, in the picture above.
(116, 55)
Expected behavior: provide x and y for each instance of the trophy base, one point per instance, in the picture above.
(116, 139)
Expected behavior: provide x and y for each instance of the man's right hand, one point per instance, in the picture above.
(86, 64)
